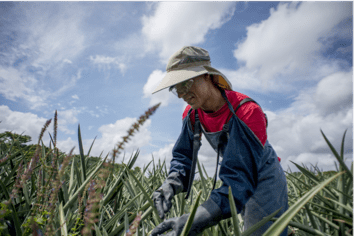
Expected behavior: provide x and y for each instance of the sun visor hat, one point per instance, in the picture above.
(190, 62)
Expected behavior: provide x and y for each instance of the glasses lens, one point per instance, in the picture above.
(182, 88)
(174, 90)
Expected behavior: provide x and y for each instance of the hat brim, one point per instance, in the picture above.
(177, 76)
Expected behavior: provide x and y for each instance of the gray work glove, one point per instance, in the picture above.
(163, 196)
(207, 215)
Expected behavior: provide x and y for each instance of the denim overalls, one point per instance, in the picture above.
(253, 171)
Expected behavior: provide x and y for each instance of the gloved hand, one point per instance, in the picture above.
(207, 215)
(162, 196)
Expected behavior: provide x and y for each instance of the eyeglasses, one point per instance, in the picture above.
(181, 88)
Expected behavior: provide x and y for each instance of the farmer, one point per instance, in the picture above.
(235, 127)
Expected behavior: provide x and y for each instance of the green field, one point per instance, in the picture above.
(48, 192)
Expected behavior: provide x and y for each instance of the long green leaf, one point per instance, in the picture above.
(348, 172)
(328, 211)
(341, 186)
(133, 159)
(350, 210)
(63, 228)
(26, 193)
(235, 222)
(7, 153)
(222, 228)
(147, 197)
(97, 231)
(71, 181)
(304, 228)
(206, 174)
(313, 178)
(89, 151)
(118, 215)
(312, 219)
(82, 156)
(113, 187)
(117, 230)
(204, 184)
(104, 232)
(328, 203)
(130, 189)
(146, 167)
(190, 219)
(13, 171)
(283, 221)
(82, 187)
(126, 221)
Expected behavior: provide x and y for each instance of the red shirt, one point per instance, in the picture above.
(250, 113)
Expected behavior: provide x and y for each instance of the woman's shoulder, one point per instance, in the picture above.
(235, 97)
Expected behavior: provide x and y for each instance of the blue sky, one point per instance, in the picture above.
(98, 62)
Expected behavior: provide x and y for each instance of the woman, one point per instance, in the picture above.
(235, 126)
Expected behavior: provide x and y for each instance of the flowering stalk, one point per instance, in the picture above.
(5, 158)
(134, 127)
(94, 198)
(134, 225)
(55, 187)
(15, 190)
(55, 128)
(91, 210)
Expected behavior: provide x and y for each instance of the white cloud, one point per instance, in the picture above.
(38, 63)
(66, 84)
(31, 124)
(153, 81)
(55, 33)
(103, 110)
(335, 92)
(67, 117)
(177, 24)
(111, 135)
(67, 145)
(75, 97)
(295, 131)
(290, 42)
(105, 63)
(164, 153)
(345, 50)
(23, 122)
(16, 85)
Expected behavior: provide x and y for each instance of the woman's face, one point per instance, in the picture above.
(198, 93)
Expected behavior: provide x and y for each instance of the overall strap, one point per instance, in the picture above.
(196, 145)
(222, 139)
(244, 101)
(251, 100)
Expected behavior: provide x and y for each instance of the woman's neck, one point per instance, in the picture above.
(214, 102)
